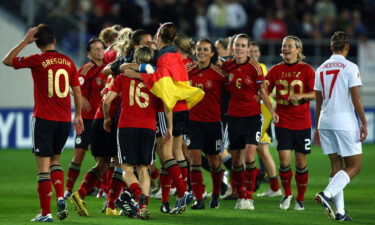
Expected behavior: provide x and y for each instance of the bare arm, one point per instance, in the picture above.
(356, 99)
(106, 106)
(29, 38)
(318, 106)
(305, 96)
(107, 69)
(133, 66)
(77, 121)
(169, 116)
(132, 74)
(268, 104)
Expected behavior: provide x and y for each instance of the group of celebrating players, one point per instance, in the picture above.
(137, 93)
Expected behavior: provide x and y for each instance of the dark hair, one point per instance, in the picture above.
(135, 39)
(338, 41)
(213, 49)
(44, 35)
(224, 42)
(242, 35)
(167, 32)
(91, 41)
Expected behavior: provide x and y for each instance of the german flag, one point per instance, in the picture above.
(170, 81)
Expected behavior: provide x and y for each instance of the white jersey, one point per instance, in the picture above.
(334, 78)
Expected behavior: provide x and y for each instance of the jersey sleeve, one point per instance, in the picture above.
(26, 62)
(74, 81)
(354, 76)
(270, 79)
(317, 83)
(116, 87)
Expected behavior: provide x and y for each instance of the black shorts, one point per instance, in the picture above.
(49, 137)
(205, 136)
(103, 144)
(161, 124)
(297, 140)
(84, 140)
(180, 123)
(136, 146)
(244, 130)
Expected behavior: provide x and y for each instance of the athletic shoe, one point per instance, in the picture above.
(259, 179)
(143, 213)
(67, 195)
(40, 218)
(198, 204)
(93, 192)
(112, 212)
(79, 204)
(299, 205)
(215, 202)
(181, 203)
(224, 184)
(173, 191)
(127, 204)
(164, 208)
(269, 193)
(340, 217)
(62, 211)
(248, 204)
(104, 206)
(325, 202)
(227, 193)
(240, 204)
(285, 202)
(157, 195)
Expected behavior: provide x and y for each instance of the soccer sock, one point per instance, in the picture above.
(183, 164)
(108, 177)
(155, 173)
(165, 184)
(238, 179)
(301, 177)
(197, 181)
(339, 201)
(205, 164)
(73, 173)
(217, 177)
(175, 174)
(337, 184)
(286, 175)
(89, 181)
(274, 183)
(45, 192)
(57, 178)
(227, 161)
(135, 190)
(116, 185)
(250, 179)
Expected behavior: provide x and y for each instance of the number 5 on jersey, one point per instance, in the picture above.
(335, 73)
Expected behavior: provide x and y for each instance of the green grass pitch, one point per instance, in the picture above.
(19, 201)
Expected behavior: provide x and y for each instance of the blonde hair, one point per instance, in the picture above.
(298, 43)
(123, 41)
(143, 54)
(108, 35)
(185, 44)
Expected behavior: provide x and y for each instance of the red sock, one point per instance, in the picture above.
(274, 183)
(165, 184)
(301, 180)
(135, 190)
(217, 177)
(175, 174)
(286, 178)
(89, 181)
(115, 186)
(73, 173)
(197, 183)
(108, 178)
(57, 179)
(238, 178)
(250, 180)
(45, 192)
(155, 173)
(233, 184)
(184, 171)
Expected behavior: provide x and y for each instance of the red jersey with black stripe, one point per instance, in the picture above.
(115, 104)
(292, 79)
(138, 106)
(243, 86)
(211, 80)
(53, 74)
(92, 82)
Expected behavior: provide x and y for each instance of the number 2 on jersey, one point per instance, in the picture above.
(54, 83)
(335, 73)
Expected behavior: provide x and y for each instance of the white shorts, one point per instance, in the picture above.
(342, 142)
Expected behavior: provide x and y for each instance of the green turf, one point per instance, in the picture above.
(19, 201)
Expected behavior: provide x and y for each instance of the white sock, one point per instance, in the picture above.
(339, 201)
(337, 184)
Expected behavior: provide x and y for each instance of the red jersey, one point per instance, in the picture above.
(115, 104)
(92, 82)
(53, 74)
(244, 84)
(211, 80)
(109, 56)
(289, 79)
(139, 106)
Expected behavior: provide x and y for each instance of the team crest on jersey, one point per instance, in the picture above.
(239, 70)
(358, 75)
(200, 75)
(78, 140)
(209, 84)
(98, 81)
(248, 80)
(231, 75)
(81, 80)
